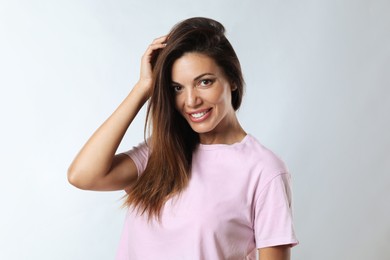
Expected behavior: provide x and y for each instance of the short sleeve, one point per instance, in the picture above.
(140, 155)
(273, 223)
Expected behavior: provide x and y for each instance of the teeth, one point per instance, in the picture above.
(199, 115)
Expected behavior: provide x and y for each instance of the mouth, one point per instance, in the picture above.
(199, 116)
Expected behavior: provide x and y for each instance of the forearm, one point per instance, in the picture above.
(95, 158)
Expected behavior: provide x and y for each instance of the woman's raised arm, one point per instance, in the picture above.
(96, 167)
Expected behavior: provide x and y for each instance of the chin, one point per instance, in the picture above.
(202, 130)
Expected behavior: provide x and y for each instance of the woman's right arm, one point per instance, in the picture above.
(96, 167)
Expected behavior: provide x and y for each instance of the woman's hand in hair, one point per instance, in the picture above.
(96, 166)
(146, 75)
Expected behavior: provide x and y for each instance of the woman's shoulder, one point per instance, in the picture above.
(263, 155)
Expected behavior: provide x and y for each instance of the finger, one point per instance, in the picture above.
(157, 43)
(155, 46)
(152, 47)
(160, 39)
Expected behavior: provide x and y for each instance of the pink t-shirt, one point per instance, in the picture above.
(238, 199)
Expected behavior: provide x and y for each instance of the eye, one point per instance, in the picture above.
(177, 88)
(206, 82)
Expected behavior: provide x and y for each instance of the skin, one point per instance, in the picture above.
(97, 167)
(201, 86)
(275, 253)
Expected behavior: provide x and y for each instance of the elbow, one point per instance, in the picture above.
(72, 177)
(77, 179)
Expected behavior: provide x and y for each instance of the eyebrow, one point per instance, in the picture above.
(198, 77)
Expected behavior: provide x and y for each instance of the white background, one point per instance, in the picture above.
(317, 76)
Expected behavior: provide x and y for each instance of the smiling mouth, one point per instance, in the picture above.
(199, 115)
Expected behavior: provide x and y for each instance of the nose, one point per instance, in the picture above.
(192, 98)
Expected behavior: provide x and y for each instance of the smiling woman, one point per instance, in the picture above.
(199, 187)
(203, 97)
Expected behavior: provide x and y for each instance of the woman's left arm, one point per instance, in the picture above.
(275, 253)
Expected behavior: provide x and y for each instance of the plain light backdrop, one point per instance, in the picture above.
(317, 93)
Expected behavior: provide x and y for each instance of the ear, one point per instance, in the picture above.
(233, 87)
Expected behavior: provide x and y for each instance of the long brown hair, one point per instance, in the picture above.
(172, 141)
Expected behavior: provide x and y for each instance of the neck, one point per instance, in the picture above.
(228, 132)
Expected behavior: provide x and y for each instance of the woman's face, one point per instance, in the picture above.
(203, 94)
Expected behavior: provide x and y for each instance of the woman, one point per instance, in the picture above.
(199, 187)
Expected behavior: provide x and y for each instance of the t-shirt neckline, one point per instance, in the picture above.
(218, 146)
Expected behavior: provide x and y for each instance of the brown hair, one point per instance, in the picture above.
(172, 140)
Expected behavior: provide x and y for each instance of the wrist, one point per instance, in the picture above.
(143, 89)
